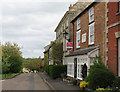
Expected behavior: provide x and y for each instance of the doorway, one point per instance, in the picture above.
(75, 67)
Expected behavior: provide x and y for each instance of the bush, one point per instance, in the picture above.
(100, 78)
(116, 83)
(56, 70)
(47, 67)
(63, 75)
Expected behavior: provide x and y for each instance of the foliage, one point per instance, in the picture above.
(7, 76)
(47, 67)
(9, 48)
(33, 65)
(45, 59)
(56, 70)
(96, 78)
(11, 58)
(83, 84)
(63, 75)
(15, 63)
(57, 52)
(116, 83)
(74, 81)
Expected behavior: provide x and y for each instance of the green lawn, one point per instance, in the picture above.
(7, 76)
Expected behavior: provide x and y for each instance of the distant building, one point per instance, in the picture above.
(47, 51)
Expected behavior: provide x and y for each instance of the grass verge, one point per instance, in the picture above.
(8, 76)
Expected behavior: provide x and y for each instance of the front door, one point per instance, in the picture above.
(119, 57)
(75, 67)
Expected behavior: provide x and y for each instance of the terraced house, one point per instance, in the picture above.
(64, 28)
(113, 36)
(88, 36)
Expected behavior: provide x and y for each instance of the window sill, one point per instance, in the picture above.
(118, 13)
(90, 44)
(77, 48)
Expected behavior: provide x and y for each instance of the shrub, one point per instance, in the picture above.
(56, 70)
(47, 67)
(116, 83)
(63, 75)
(100, 78)
(99, 75)
(74, 81)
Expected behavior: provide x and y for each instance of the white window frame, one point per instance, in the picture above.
(93, 24)
(70, 70)
(78, 33)
(83, 37)
(119, 5)
(91, 15)
(78, 23)
(79, 70)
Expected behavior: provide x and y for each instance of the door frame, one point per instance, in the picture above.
(75, 67)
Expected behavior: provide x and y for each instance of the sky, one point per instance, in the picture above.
(31, 24)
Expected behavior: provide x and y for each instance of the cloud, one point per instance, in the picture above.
(31, 24)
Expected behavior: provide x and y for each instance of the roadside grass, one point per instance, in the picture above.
(7, 76)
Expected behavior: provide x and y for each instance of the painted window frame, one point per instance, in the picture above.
(70, 70)
(91, 15)
(78, 34)
(84, 38)
(119, 5)
(91, 34)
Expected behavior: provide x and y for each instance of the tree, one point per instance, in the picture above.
(45, 59)
(11, 55)
(15, 63)
(57, 52)
(9, 48)
(33, 65)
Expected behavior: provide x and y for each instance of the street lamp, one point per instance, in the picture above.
(64, 34)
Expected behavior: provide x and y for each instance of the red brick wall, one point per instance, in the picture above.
(112, 40)
(99, 18)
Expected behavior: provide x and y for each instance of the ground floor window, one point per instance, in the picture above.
(70, 69)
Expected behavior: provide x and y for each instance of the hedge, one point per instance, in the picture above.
(56, 70)
(46, 68)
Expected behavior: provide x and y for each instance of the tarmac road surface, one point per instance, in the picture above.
(25, 81)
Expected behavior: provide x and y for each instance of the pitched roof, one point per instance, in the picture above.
(82, 51)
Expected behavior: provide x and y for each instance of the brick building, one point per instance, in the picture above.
(113, 36)
(88, 33)
(65, 25)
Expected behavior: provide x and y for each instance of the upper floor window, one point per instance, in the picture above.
(91, 34)
(91, 15)
(119, 5)
(78, 23)
(78, 34)
(78, 39)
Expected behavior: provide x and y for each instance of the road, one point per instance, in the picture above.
(25, 81)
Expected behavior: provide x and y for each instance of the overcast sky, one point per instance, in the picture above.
(31, 24)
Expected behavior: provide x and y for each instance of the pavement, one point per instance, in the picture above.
(58, 84)
(25, 81)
